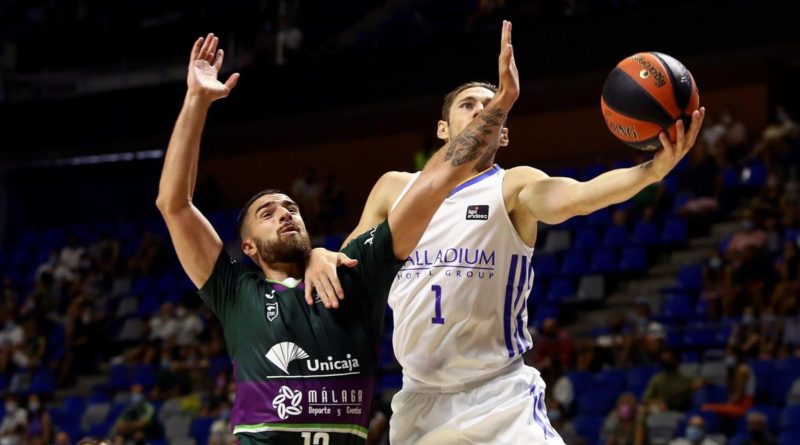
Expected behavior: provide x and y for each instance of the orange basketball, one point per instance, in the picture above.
(644, 95)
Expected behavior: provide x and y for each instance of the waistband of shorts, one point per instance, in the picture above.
(516, 365)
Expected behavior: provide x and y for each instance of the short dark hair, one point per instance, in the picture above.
(243, 213)
(451, 96)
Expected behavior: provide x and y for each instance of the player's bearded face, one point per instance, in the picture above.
(292, 248)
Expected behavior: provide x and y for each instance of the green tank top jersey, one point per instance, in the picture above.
(304, 374)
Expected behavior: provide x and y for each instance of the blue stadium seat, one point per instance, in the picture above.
(709, 394)
(43, 381)
(699, 338)
(754, 175)
(790, 419)
(541, 312)
(574, 263)
(615, 236)
(391, 381)
(789, 438)
(581, 381)
(612, 379)
(638, 378)
(645, 233)
(677, 307)
(675, 231)
(200, 428)
(765, 373)
(560, 289)
(120, 377)
(599, 218)
(730, 178)
(691, 278)
(219, 364)
(546, 265)
(144, 375)
(596, 402)
(588, 427)
(785, 374)
(586, 239)
(634, 259)
(604, 261)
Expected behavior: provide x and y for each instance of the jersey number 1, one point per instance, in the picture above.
(437, 305)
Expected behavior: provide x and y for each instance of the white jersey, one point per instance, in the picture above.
(460, 300)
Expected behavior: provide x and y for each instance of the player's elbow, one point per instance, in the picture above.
(169, 205)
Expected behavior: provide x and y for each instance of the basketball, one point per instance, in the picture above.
(644, 95)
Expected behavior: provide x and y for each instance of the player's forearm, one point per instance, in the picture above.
(180, 164)
(474, 145)
(613, 187)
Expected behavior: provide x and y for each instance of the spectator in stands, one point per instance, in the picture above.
(668, 390)
(189, 325)
(220, 432)
(42, 303)
(552, 344)
(791, 327)
(758, 430)
(15, 423)
(149, 258)
(163, 326)
(614, 346)
(105, 255)
(625, 424)
(741, 385)
(40, 425)
(695, 433)
(62, 438)
(70, 260)
(558, 420)
(172, 378)
(29, 353)
(136, 421)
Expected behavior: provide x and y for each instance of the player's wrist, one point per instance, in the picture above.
(197, 98)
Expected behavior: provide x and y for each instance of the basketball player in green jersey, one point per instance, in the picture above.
(304, 374)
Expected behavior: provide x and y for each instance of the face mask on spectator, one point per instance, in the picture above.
(694, 433)
(137, 398)
(34, 406)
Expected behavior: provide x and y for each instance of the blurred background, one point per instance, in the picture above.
(670, 317)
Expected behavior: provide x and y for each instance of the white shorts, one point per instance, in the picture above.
(509, 409)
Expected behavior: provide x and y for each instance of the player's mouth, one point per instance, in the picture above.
(290, 229)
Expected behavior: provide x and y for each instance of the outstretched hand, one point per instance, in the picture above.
(204, 66)
(671, 152)
(508, 87)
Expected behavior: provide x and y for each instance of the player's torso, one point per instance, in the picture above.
(459, 301)
(301, 372)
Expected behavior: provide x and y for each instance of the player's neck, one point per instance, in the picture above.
(281, 271)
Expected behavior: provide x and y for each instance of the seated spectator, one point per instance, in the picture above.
(189, 325)
(220, 432)
(695, 433)
(163, 326)
(15, 423)
(136, 421)
(625, 425)
(758, 430)
(668, 390)
(62, 438)
(741, 386)
(614, 346)
(564, 428)
(40, 425)
(553, 343)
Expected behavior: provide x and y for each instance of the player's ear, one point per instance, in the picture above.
(249, 247)
(504, 137)
(443, 130)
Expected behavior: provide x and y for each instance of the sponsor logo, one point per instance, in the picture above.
(272, 311)
(287, 402)
(478, 212)
(349, 364)
(284, 353)
(628, 131)
(371, 236)
(270, 295)
(657, 75)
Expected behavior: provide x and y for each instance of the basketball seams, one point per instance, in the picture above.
(631, 67)
(665, 115)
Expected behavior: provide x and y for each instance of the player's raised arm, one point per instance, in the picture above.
(454, 163)
(196, 242)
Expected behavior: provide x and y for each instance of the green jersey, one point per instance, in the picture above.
(304, 374)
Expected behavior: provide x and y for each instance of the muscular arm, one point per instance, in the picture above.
(455, 161)
(196, 242)
(554, 199)
(379, 202)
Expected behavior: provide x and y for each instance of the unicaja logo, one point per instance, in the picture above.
(283, 353)
(348, 364)
(287, 402)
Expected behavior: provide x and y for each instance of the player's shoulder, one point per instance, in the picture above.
(522, 175)
(393, 180)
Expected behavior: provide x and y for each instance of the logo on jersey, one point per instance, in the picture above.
(371, 236)
(478, 212)
(270, 295)
(284, 353)
(272, 311)
(287, 402)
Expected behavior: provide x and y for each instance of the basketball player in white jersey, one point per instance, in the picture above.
(459, 302)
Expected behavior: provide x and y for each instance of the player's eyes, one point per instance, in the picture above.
(466, 105)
